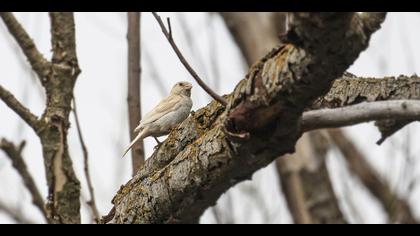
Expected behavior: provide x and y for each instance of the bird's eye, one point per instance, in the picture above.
(181, 84)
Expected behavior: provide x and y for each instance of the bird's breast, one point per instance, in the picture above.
(170, 120)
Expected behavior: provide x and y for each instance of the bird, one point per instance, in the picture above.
(169, 113)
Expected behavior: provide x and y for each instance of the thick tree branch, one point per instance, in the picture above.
(397, 208)
(39, 64)
(184, 62)
(218, 147)
(255, 33)
(350, 89)
(359, 113)
(63, 185)
(14, 154)
(19, 108)
(134, 87)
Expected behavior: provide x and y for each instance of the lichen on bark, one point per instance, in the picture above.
(260, 123)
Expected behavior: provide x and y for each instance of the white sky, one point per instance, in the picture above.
(101, 98)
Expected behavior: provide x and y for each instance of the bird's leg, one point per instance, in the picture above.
(158, 142)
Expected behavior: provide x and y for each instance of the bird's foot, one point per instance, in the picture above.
(158, 144)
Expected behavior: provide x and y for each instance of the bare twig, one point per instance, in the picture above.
(134, 87)
(91, 202)
(169, 26)
(14, 154)
(14, 214)
(192, 45)
(186, 64)
(364, 112)
(39, 64)
(19, 108)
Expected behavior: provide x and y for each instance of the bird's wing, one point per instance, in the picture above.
(169, 104)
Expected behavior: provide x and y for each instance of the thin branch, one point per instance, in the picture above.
(171, 41)
(134, 87)
(39, 64)
(15, 155)
(364, 112)
(169, 26)
(192, 45)
(14, 214)
(19, 108)
(350, 89)
(91, 202)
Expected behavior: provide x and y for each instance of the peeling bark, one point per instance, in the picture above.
(58, 78)
(217, 147)
(63, 185)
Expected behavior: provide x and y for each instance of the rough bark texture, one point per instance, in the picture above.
(397, 209)
(133, 97)
(254, 33)
(63, 185)
(351, 90)
(58, 78)
(217, 147)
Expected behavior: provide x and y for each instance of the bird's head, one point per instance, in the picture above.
(182, 88)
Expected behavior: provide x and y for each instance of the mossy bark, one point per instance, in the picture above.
(349, 90)
(218, 147)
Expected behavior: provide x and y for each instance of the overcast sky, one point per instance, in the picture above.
(101, 99)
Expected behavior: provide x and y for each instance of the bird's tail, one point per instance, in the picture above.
(139, 136)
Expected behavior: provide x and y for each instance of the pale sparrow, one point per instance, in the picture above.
(170, 112)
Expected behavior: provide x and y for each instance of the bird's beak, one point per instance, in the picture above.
(188, 87)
